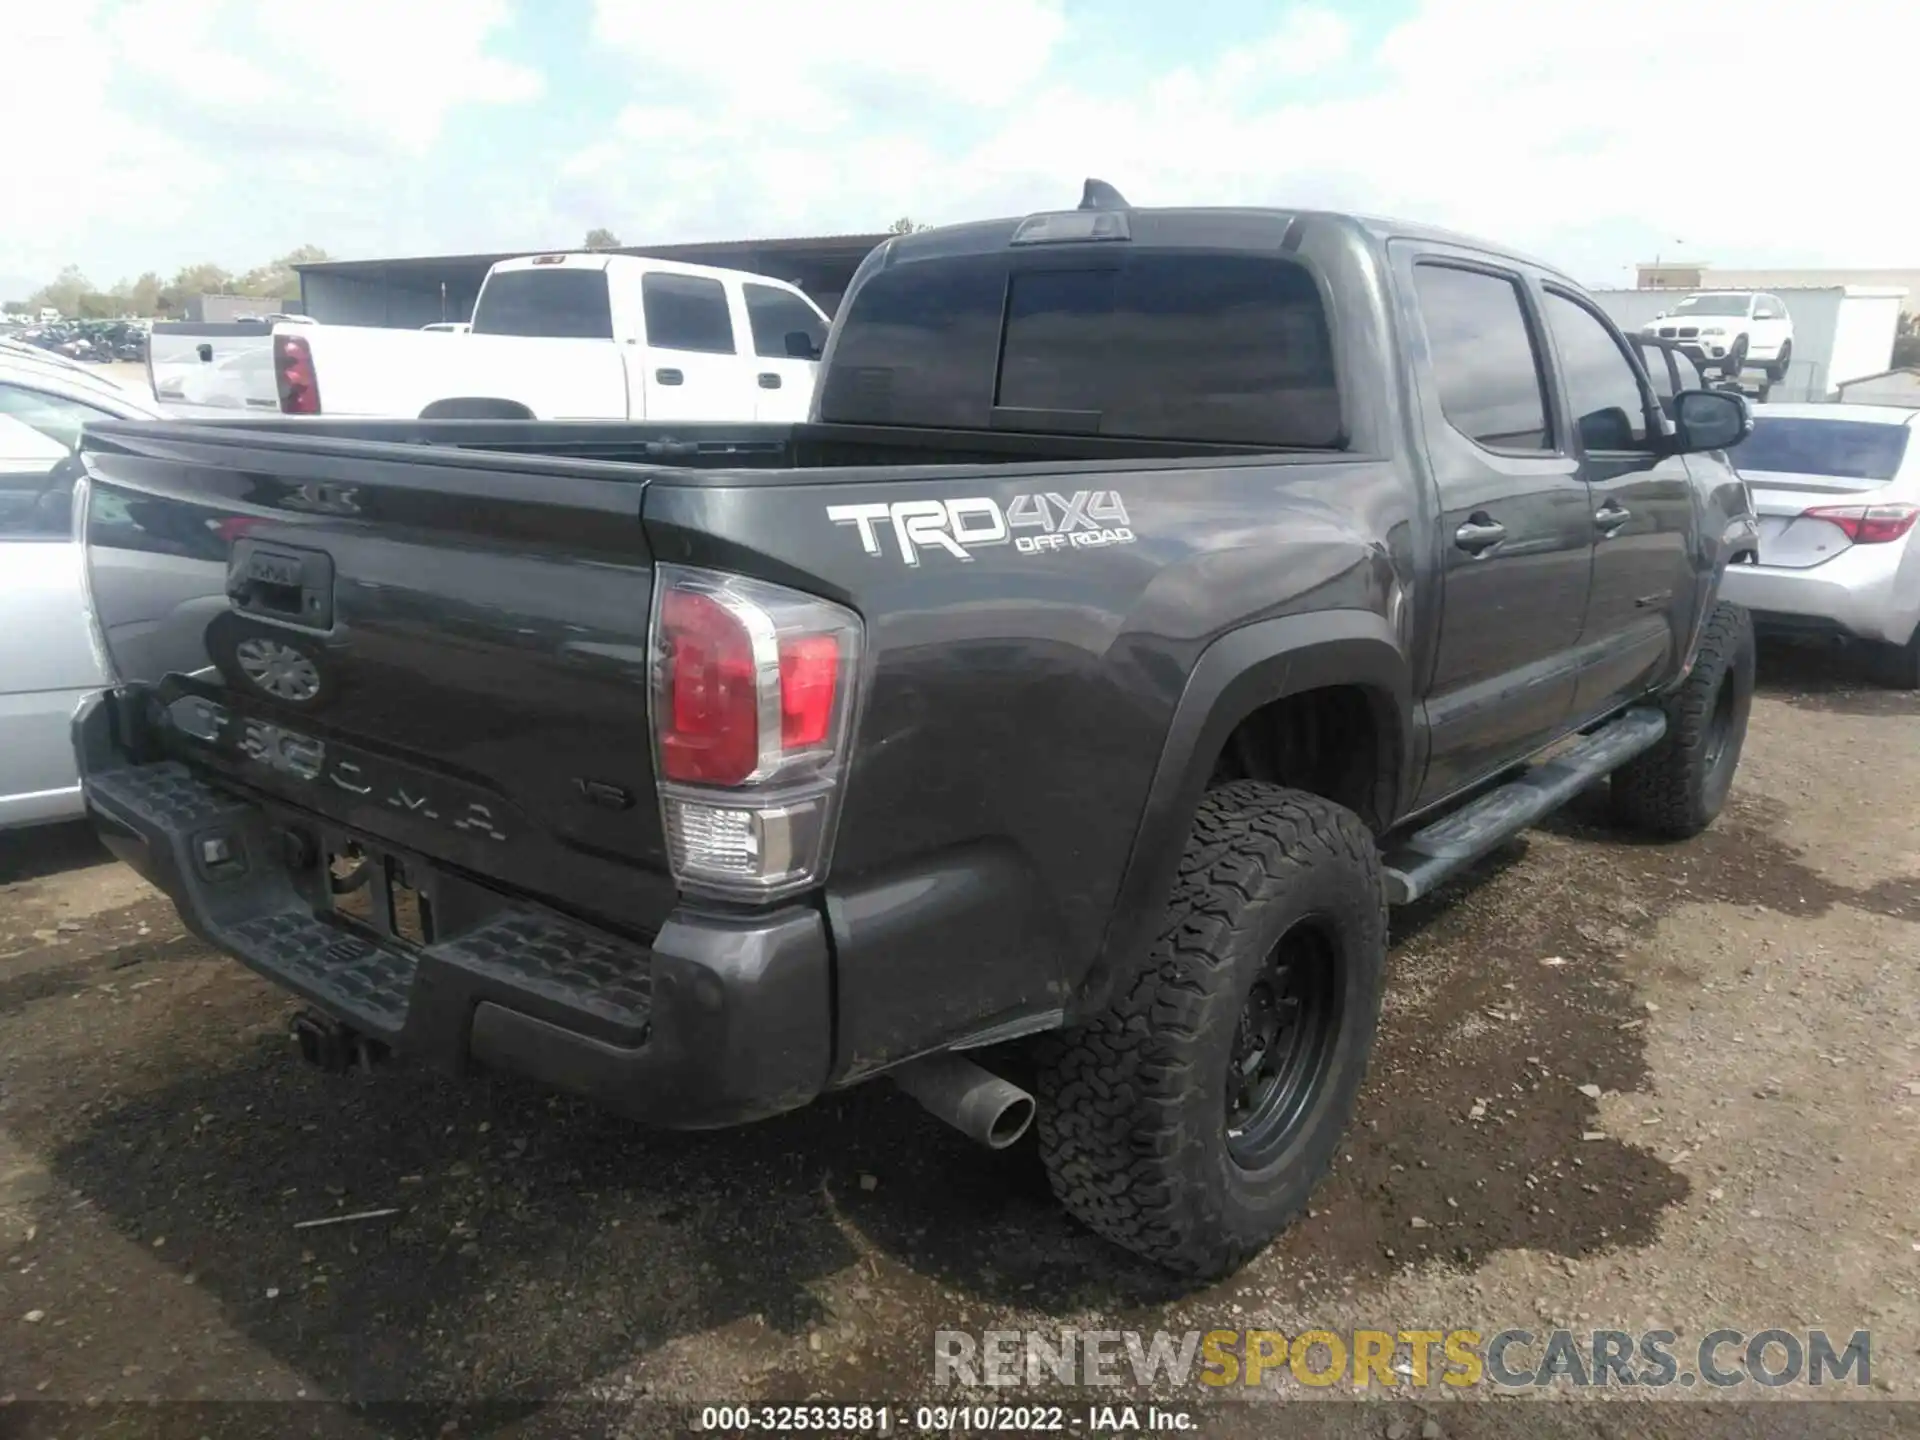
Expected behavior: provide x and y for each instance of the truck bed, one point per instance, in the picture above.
(694, 446)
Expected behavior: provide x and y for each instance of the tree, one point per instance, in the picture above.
(904, 226)
(64, 294)
(15, 307)
(601, 238)
(1906, 342)
(143, 296)
(278, 280)
(192, 280)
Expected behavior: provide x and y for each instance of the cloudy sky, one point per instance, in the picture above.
(148, 134)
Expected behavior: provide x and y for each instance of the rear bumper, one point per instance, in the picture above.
(716, 1021)
(1869, 592)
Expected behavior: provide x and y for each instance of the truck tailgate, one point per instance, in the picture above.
(439, 649)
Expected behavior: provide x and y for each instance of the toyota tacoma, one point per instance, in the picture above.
(1151, 598)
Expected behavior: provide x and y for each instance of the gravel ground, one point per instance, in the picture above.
(1618, 1085)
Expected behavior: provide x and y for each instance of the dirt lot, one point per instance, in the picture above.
(1747, 1006)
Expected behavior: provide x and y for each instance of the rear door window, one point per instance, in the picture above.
(1180, 345)
(1845, 449)
(686, 312)
(552, 303)
(775, 314)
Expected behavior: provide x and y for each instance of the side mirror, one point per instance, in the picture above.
(800, 346)
(1709, 420)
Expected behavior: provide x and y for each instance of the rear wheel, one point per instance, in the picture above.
(1190, 1120)
(1898, 666)
(1678, 788)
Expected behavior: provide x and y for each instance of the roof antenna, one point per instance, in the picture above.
(1099, 195)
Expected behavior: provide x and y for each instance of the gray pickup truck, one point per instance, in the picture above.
(1152, 598)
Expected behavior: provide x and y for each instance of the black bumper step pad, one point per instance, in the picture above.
(567, 972)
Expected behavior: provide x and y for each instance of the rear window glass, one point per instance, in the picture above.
(1177, 346)
(554, 303)
(1845, 449)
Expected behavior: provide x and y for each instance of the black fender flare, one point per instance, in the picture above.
(1238, 673)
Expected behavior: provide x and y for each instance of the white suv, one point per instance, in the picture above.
(1729, 330)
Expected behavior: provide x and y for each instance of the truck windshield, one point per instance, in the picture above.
(1845, 449)
(1712, 305)
(1177, 345)
(556, 303)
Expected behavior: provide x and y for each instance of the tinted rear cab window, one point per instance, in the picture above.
(553, 303)
(1846, 449)
(1217, 347)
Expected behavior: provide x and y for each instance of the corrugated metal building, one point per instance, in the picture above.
(1840, 332)
(406, 294)
(235, 309)
(1700, 276)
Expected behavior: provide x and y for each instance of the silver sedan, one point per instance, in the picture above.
(1837, 489)
(49, 657)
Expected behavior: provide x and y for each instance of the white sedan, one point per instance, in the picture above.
(49, 659)
(1837, 490)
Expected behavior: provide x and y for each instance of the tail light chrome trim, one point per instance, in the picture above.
(734, 831)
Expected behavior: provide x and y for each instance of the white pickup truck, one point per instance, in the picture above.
(574, 337)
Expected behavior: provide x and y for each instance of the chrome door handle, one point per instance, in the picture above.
(1479, 534)
(1610, 517)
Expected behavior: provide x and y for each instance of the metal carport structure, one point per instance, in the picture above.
(408, 293)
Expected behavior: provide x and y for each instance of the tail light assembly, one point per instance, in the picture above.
(293, 375)
(1867, 524)
(752, 699)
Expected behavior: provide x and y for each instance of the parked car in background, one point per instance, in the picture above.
(574, 337)
(1729, 330)
(241, 381)
(1837, 488)
(49, 656)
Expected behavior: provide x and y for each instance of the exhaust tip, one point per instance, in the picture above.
(1010, 1124)
(976, 1102)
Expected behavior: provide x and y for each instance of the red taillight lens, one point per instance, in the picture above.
(712, 687)
(809, 676)
(1867, 524)
(293, 376)
(752, 704)
(710, 728)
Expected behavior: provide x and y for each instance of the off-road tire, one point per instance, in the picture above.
(1898, 666)
(1133, 1103)
(1778, 367)
(1677, 788)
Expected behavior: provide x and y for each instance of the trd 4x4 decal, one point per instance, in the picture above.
(1033, 524)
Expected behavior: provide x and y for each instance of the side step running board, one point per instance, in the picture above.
(1421, 863)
